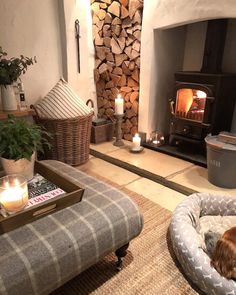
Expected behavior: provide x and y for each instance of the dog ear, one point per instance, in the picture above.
(211, 239)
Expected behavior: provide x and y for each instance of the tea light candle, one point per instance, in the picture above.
(119, 105)
(13, 193)
(136, 142)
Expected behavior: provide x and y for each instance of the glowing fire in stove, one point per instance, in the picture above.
(190, 104)
(184, 100)
(201, 94)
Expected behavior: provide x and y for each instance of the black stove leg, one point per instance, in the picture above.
(172, 140)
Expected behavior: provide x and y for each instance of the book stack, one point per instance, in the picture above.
(40, 190)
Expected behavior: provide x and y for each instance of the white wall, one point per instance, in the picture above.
(45, 29)
(82, 83)
(170, 13)
(168, 58)
(31, 28)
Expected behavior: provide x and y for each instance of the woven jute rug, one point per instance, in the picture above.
(150, 267)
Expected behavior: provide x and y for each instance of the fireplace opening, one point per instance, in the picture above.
(203, 101)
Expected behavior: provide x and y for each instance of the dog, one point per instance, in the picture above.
(224, 255)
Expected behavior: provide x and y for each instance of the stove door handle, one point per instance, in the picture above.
(172, 102)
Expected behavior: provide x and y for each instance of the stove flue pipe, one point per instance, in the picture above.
(214, 46)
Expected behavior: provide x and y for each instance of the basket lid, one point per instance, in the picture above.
(214, 142)
(61, 103)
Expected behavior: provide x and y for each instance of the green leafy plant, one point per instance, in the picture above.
(20, 138)
(11, 69)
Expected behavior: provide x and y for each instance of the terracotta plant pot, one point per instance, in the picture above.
(23, 166)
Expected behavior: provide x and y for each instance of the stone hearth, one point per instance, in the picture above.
(160, 168)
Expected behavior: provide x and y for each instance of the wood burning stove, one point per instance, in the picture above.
(203, 104)
(204, 101)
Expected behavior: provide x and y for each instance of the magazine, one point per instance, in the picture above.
(40, 190)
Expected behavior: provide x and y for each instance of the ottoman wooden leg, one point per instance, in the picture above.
(121, 253)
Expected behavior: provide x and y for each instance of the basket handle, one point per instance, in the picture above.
(89, 101)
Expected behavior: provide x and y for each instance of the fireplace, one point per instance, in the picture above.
(202, 101)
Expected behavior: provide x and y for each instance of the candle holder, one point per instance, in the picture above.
(157, 138)
(13, 193)
(118, 141)
(136, 144)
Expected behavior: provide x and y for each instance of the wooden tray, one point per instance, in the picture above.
(73, 195)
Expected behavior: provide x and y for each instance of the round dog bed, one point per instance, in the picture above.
(187, 243)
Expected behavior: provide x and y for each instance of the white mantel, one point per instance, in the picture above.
(161, 47)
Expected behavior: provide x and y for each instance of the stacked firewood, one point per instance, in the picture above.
(117, 36)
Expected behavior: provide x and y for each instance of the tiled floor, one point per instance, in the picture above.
(156, 192)
(196, 178)
(172, 171)
(162, 165)
(109, 171)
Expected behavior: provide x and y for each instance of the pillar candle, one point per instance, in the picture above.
(119, 105)
(136, 142)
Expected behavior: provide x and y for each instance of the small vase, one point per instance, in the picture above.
(9, 102)
(22, 166)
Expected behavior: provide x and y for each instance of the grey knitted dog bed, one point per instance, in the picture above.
(184, 230)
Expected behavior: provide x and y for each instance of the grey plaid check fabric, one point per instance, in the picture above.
(184, 230)
(39, 257)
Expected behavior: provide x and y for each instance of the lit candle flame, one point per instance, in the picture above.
(6, 184)
(16, 182)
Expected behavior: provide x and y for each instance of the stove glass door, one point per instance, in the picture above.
(190, 104)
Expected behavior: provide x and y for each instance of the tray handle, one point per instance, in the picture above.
(45, 210)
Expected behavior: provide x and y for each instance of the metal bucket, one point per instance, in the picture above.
(221, 162)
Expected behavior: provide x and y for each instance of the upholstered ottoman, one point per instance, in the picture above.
(39, 257)
(187, 243)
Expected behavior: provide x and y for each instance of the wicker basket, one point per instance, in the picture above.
(70, 138)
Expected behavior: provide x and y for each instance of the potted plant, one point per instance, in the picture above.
(10, 70)
(19, 142)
